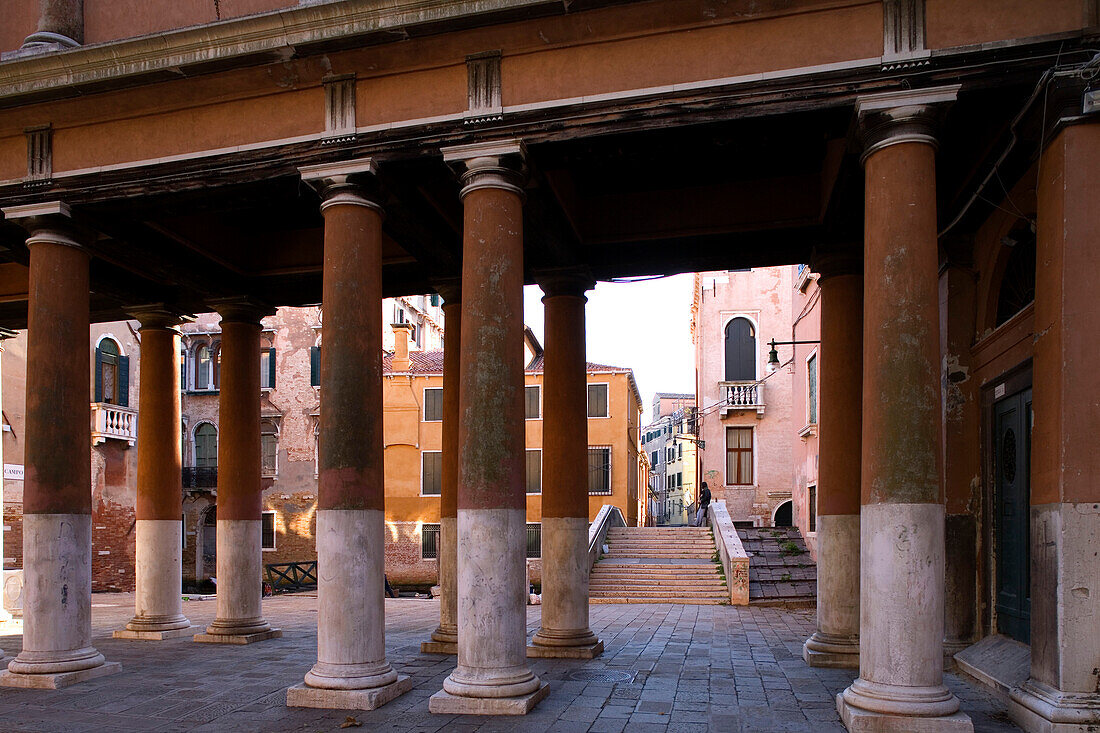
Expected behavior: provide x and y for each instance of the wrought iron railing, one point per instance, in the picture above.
(205, 477)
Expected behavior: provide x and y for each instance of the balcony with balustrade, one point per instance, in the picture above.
(113, 422)
(742, 397)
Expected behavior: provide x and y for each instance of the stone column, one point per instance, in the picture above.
(962, 453)
(836, 641)
(351, 670)
(900, 687)
(492, 677)
(1063, 691)
(60, 26)
(564, 631)
(57, 496)
(5, 617)
(445, 637)
(239, 618)
(158, 603)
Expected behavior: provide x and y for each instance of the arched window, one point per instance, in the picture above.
(269, 448)
(740, 351)
(112, 372)
(206, 446)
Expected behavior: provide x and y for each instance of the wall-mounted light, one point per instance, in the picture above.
(773, 355)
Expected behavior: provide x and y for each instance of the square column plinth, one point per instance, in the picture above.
(59, 680)
(154, 635)
(591, 651)
(439, 647)
(238, 638)
(858, 720)
(304, 696)
(444, 703)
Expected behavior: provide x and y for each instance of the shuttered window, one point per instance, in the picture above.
(811, 384)
(267, 369)
(532, 409)
(534, 471)
(431, 476)
(740, 351)
(315, 366)
(269, 448)
(433, 404)
(597, 400)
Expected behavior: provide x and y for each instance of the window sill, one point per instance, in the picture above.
(201, 391)
(267, 549)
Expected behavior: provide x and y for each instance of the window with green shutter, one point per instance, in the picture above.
(431, 477)
(532, 409)
(597, 400)
(433, 404)
(315, 366)
(811, 383)
(534, 471)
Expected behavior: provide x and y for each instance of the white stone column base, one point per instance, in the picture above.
(304, 696)
(858, 720)
(588, 651)
(240, 590)
(444, 703)
(833, 652)
(58, 680)
(439, 647)
(1040, 708)
(154, 635)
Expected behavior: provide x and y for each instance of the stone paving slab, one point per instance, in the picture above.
(685, 668)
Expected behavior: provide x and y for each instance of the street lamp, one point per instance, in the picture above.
(773, 355)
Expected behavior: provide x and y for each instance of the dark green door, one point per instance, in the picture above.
(1012, 531)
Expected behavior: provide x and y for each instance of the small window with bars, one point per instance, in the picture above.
(534, 540)
(429, 541)
(599, 470)
(267, 530)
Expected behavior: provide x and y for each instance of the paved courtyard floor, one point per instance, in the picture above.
(686, 668)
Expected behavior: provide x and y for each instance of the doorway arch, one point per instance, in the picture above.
(783, 516)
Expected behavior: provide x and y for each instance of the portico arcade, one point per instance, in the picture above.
(303, 155)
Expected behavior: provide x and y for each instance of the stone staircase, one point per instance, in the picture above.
(659, 565)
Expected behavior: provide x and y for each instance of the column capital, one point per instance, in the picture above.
(565, 281)
(158, 315)
(494, 164)
(450, 289)
(909, 115)
(49, 222)
(241, 309)
(833, 263)
(349, 182)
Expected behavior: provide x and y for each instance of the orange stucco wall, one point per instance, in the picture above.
(951, 23)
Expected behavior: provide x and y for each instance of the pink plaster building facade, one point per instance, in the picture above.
(746, 415)
(805, 368)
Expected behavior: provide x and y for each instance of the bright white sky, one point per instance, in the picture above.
(645, 326)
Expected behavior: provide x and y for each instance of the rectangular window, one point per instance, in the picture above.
(269, 450)
(267, 368)
(811, 383)
(679, 451)
(597, 400)
(739, 456)
(534, 540)
(532, 409)
(315, 366)
(534, 471)
(431, 477)
(433, 404)
(812, 502)
(267, 530)
(599, 471)
(654, 458)
(429, 541)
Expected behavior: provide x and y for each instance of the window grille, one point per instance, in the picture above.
(429, 541)
(534, 540)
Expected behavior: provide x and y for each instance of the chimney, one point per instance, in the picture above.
(402, 332)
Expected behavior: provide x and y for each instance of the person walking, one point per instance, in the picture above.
(704, 502)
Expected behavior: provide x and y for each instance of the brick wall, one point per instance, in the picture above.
(13, 535)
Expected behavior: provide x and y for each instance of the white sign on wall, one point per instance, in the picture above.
(13, 472)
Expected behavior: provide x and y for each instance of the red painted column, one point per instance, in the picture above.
(836, 641)
(900, 687)
(239, 617)
(60, 24)
(565, 561)
(445, 637)
(492, 676)
(351, 669)
(1064, 686)
(57, 498)
(158, 605)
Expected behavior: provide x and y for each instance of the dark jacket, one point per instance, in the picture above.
(704, 498)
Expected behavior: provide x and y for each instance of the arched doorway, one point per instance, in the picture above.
(784, 514)
(740, 351)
